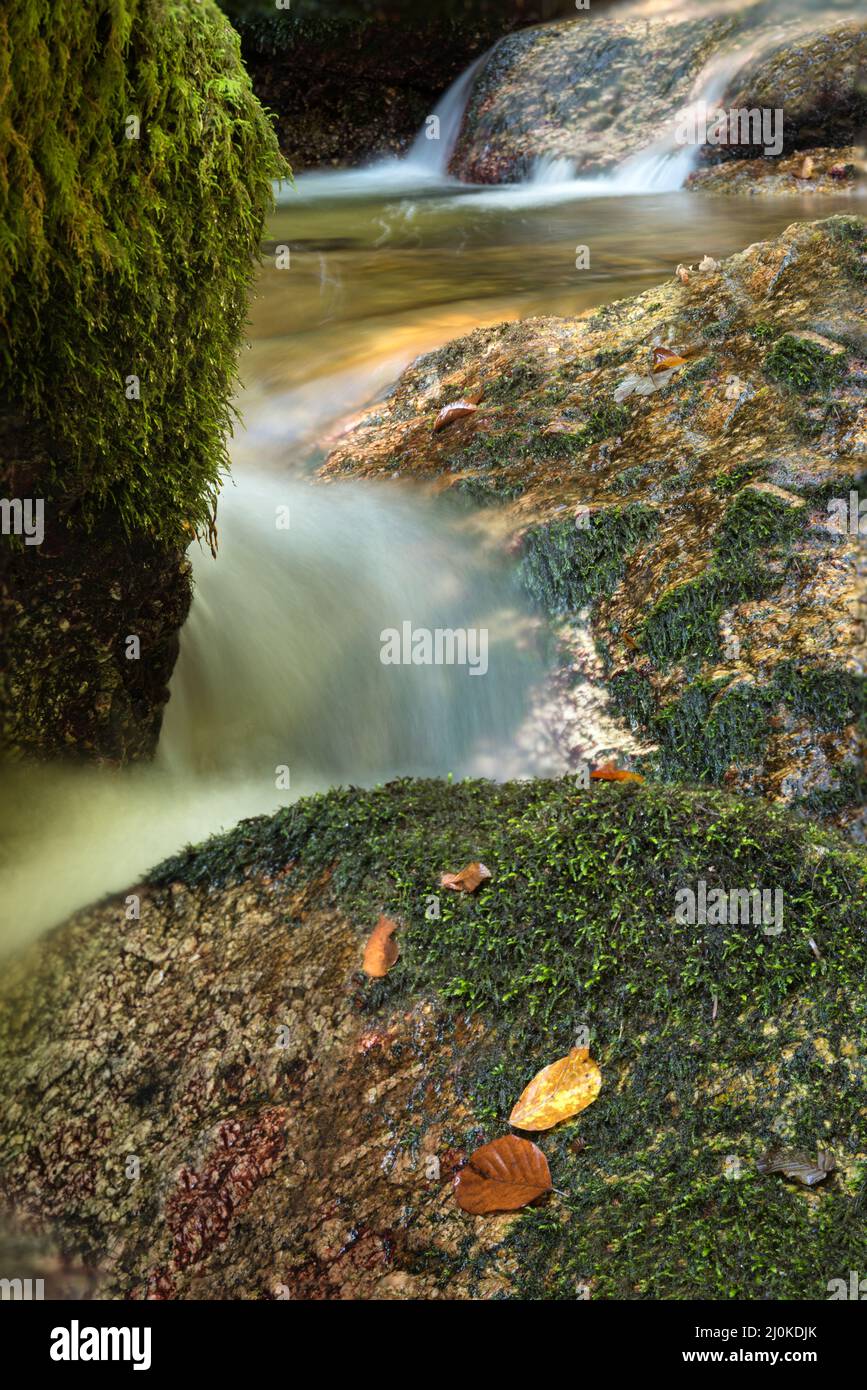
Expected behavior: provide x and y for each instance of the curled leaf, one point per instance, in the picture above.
(665, 360)
(468, 880)
(502, 1176)
(456, 411)
(609, 772)
(798, 1166)
(381, 951)
(560, 1090)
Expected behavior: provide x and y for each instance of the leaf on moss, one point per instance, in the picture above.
(610, 772)
(381, 951)
(560, 1090)
(468, 880)
(502, 1176)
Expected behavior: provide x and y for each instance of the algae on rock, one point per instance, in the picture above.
(744, 573)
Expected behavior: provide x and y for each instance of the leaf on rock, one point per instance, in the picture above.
(664, 360)
(610, 772)
(502, 1176)
(798, 1166)
(468, 880)
(381, 950)
(456, 411)
(560, 1090)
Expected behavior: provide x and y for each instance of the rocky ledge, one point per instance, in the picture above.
(595, 90)
(205, 1097)
(706, 513)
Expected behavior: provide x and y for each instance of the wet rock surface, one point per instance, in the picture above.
(592, 91)
(210, 1100)
(597, 90)
(70, 685)
(707, 513)
(821, 171)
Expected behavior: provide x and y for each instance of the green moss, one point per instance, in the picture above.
(603, 421)
(705, 1034)
(699, 370)
(736, 477)
(756, 529)
(715, 725)
(850, 235)
(564, 566)
(763, 332)
(128, 257)
(802, 365)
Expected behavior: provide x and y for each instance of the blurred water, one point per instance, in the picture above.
(279, 660)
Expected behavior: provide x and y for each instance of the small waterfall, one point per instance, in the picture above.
(280, 657)
(280, 667)
(552, 171)
(433, 155)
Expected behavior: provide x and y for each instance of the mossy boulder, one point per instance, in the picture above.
(596, 89)
(135, 172)
(696, 515)
(210, 1100)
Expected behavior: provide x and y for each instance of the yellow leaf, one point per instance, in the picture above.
(562, 1089)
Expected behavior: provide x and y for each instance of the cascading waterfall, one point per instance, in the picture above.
(279, 661)
(433, 154)
(661, 167)
(280, 667)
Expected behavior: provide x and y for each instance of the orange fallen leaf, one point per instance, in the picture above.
(610, 772)
(502, 1176)
(456, 411)
(468, 880)
(381, 950)
(560, 1090)
(664, 359)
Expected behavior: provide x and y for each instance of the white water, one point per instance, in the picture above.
(433, 154)
(280, 666)
(661, 167)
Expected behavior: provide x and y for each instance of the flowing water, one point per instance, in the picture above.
(280, 659)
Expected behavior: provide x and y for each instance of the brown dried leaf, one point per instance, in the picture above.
(381, 950)
(468, 880)
(609, 772)
(456, 411)
(664, 360)
(502, 1176)
(560, 1090)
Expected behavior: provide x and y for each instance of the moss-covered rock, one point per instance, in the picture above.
(135, 169)
(740, 569)
(297, 1126)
